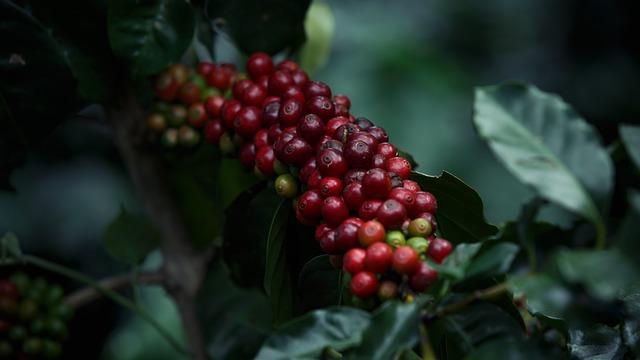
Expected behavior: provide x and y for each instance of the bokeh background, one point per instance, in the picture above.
(410, 66)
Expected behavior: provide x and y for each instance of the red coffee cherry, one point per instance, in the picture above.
(371, 232)
(239, 87)
(310, 205)
(263, 82)
(392, 214)
(274, 132)
(379, 256)
(363, 123)
(388, 290)
(297, 152)
(300, 78)
(248, 121)
(311, 128)
(290, 112)
(355, 221)
(347, 235)
(247, 155)
(254, 95)
(259, 64)
(365, 137)
(264, 161)
(342, 100)
(354, 260)
(330, 144)
(344, 131)
(378, 133)
(376, 184)
(320, 230)
(213, 130)
(166, 88)
(378, 162)
(424, 202)
(369, 209)
(271, 113)
(331, 163)
(400, 166)
(405, 197)
(439, 249)
(261, 138)
(358, 154)
(320, 106)
(229, 111)
(295, 93)
(220, 77)
(405, 260)
(313, 183)
(353, 196)
(423, 277)
(213, 105)
(317, 88)
(334, 210)
(328, 242)
(387, 150)
(287, 65)
(189, 93)
(333, 124)
(330, 186)
(364, 284)
(411, 185)
(279, 81)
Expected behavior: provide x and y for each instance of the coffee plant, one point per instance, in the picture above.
(291, 227)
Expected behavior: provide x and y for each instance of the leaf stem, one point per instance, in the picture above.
(89, 294)
(485, 294)
(425, 345)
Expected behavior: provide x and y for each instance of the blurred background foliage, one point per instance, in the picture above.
(409, 66)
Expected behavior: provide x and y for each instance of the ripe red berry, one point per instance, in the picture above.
(366, 138)
(391, 214)
(364, 284)
(290, 112)
(330, 186)
(387, 150)
(320, 106)
(334, 210)
(331, 163)
(371, 232)
(424, 202)
(310, 205)
(297, 152)
(317, 88)
(354, 259)
(411, 185)
(279, 81)
(379, 256)
(271, 113)
(355, 221)
(423, 277)
(229, 111)
(239, 87)
(439, 249)
(333, 124)
(330, 144)
(378, 162)
(353, 197)
(248, 121)
(405, 260)
(274, 132)
(281, 142)
(300, 78)
(311, 128)
(328, 242)
(197, 115)
(247, 155)
(400, 166)
(213, 105)
(259, 64)
(189, 93)
(320, 230)
(376, 184)
(213, 130)
(363, 123)
(254, 95)
(287, 65)
(405, 197)
(342, 100)
(369, 209)
(205, 68)
(378, 133)
(293, 92)
(261, 138)
(344, 131)
(347, 235)
(340, 110)
(357, 154)
(307, 169)
(220, 77)
(166, 88)
(264, 160)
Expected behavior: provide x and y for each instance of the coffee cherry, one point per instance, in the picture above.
(320, 106)
(9, 290)
(333, 125)
(200, 82)
(420, 227)
(229, 111)
(419, 244)
(400, 166)
(264, 160)
(379, 256)
(378, 133)
(396, 180)
(411, 185)
(328, 242)
(371, 232)
(247, 155)
(286, 186)
(239, 87)
(355, 221)
(388, 290)
(330, 162)
(334, 210)
(354, 260)
(187, 136)
(213, 130)
(353, 197)
(279, 81)
(317, 88)
(403, 196)
(213, 106)
(313, 182)
(376, 184)
(300, 78)
(424, 202)
(358, 154)
(330, 186)
(271, 113)
(290, 111)
(369, 209)
(353, 176)
(439, 249)
(343, 132)
(177, 115)
(254, 95)
(311, 128)
(405, 260)
(347, 235)
(226, 144)
(297, 152)
(431, 219)
(281, 143)
(320, 230)
(330, 144)
(424, 276)
(197, 115)
(189, 93)
(395, 238)
(363, 123)
(377, 162)
(342, 100)
(310, 205)
(259, 64)
(293, 93)
(208, 92)
(364, 284)
(205, 68)
(179, 73)
(391, 214)
(220, 78)
(248, 121)
(287, 65)
(306, 170)
(169, 138)
(157, 122)
(261, 138)
(166, 88)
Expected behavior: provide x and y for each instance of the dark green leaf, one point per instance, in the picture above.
(261, 25)
(319, 26)
(277, 279)
(544, 143)
(544, 295)
(493, 259)
(630, 136)
(595, 341)
(455, 265)
(525, 228)
(631, 324)
(308, 336)
(393, 327)
(150, 35)
(460, 211)
(130, 237)
(319, 283)
(235, 321)
(409, 354)
(511, 348)
(9, 246)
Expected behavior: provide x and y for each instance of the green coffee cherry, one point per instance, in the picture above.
(51, 349)
(156, 122)
(210, 91)
(22, 281)
(419, 244)
(226, 144)
(177, 115)
(199, 81)
(187, 136)
(395, 238)
(420, 227)
(32, 346)
(279, 167)
(62, 311)
(286, 186)
(169, 138)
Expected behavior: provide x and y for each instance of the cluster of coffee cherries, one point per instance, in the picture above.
(33, 318)
(344, 175)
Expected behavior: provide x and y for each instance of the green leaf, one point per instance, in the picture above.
(595, 341)
(493, 259)
(130, 237)
(150, 36)
(546, 145)
(511, 348)
(631, 324)
(319, 27)
(630, 136)
(277, 279)
(460, 211)
(308, 336)
(10, 247)
(544, 295)
(261, 25)
(393, 327)
(455, 265)
(319, 283)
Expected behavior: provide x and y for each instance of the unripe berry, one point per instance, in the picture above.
(330, 186)
(424, 202)
(354, 260)
(419, 244)
(431, 219)
(420, 227)
(157, 122)
(439, 249)
(395, 238)
(225, 144)
(177, 115)
(369, 209)
(423, 277)
(197, 115)
(379, 256)
(353, 197)
(376, 184)
(371, 232)
(187, 136)
(334, 210)
(286, 186)
(310, 205)
(364, 284)
(388, 290)
(331, 163)
(259, 64)
(391, 214)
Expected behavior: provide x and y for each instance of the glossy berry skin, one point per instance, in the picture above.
(310, 205)
(378, 133)
(311, 128)
(405, 260)
(353, 261)
(229, 111)
(261, 138)
(391, 214)
(271, 113)
(330, 186)
(334, 211)
(344, 131)
(254, 95)
(320, 106)
(213, 105)
(363, 123)
(294, 92)
(379, 257)
(197, 115)
(287, 65)
(400, 166)
(369, 209)
(279, 81)
(363, 136)
(353, 197)
(403, 196)
(439, 249)
(424, 202)
(281, 142)
(220, 78)
(424, 276)
(205, 68)
(342, 100)
(264, 160)
(259, 64)
(286, 186)
(189, 93)
(387, 150)
(333, 124)
(248, 121)
(419, 244)
(330, 162)
(317, 88)
(347, 235)
(307, 169)
(419, 227)
(239, 87)
(320, 230)
(431, 219)
(364, 284)
(411, 185)
(388, 290)
(358, 154)
(395, 238)
(378, 162)
(330, 144)
(355, 221)
(290, 111)
(328, 242)
(376, 184)
(371, 232)
(313, 182)
(296, 152)
(300, 78)
(247, 155)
